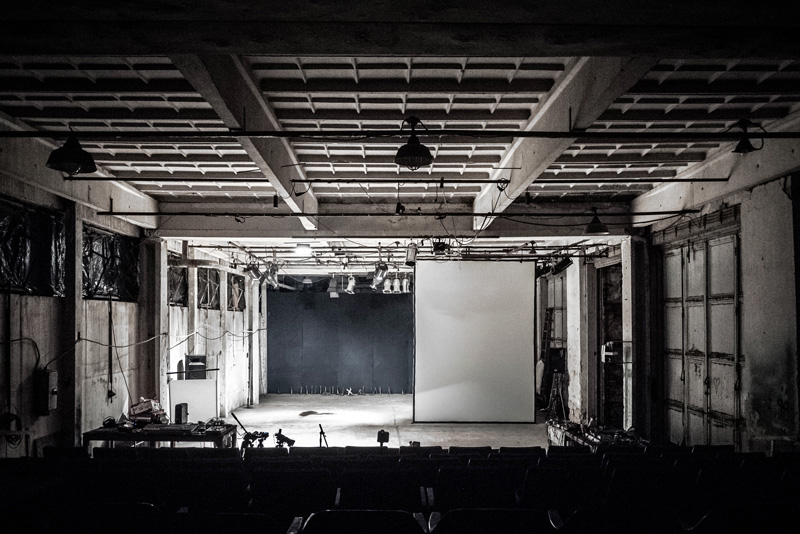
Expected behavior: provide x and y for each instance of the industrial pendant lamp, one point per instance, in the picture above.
(744, 146)
(411, 254)
(595, 226)
(71, 159)
(413, 154)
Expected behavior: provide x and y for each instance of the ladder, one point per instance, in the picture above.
(544, 354)
(557, 398)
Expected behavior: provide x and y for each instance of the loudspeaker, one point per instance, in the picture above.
(181, 413)
(195, 367)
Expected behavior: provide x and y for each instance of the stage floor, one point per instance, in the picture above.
(355, 420)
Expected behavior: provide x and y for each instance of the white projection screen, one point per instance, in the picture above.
(474, 354)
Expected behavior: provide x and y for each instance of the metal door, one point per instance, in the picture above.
(701, 329)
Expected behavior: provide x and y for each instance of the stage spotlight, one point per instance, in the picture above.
(387, 285)
(271, 276)
(406, 285)
(411, 254)
(380, 273)
(383, 437)
(283, 440)
(253, 271)
(396, 285)
(351, 285)
(332, 288)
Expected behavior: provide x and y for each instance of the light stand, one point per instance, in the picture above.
(322, 437)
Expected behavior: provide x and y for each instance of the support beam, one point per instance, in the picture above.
(71, 387)
(581, 95)
(225, 83)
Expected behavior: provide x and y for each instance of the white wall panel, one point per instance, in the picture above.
(474, 358)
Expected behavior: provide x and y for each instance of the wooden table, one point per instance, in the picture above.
(222, 436)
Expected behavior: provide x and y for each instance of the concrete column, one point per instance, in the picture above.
(581, 344)
(153, 299)
(191, 297)
(262, 390)
(253, 347)
(638, 397)
(628, 320)
(225, 345)
(72, 370)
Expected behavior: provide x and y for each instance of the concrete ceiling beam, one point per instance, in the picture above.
(225, 84)
(581, 95)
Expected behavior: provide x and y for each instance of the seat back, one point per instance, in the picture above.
(362, 522)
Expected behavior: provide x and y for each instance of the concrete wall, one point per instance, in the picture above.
(769, 331)
(33, 320)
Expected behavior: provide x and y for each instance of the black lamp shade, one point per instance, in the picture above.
(71, 159)
(744, 146)
(595, 227)
(413, 154)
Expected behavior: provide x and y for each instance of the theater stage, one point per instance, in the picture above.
(355, 420)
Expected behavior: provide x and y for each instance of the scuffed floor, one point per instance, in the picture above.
(355, 420)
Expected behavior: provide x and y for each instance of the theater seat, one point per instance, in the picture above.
(483, 520)
(364, 522)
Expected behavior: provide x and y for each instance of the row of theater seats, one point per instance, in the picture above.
(439, 491)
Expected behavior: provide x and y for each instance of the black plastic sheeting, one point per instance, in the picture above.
(208, 288)
(32, 249)
(110, 265)
(236, 292)
(178, 286)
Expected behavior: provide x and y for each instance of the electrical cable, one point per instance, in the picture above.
(33, 342)
(119, 362)
(103, 345)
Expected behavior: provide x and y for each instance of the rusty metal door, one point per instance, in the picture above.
(701, 330)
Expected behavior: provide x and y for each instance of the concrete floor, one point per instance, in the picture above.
(355, 420)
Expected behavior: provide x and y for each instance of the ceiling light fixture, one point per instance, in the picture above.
(744, 146)
(413, 154)
(595, 226)
(406, 285)
(303, 249)
(396, 285)
(334, 294)
(411, 254)
(307, 281)
(71, 158)
(387, 285)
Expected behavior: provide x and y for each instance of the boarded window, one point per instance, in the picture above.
(32, 249)
(236, 300)
(110, 265)
(208, 288)
(178, 286)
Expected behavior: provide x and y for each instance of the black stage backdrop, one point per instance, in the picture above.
(361, 341)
